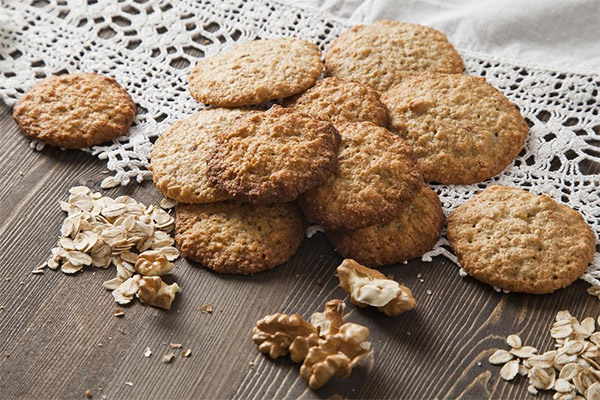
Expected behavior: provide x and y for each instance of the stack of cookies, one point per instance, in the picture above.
(353, 150)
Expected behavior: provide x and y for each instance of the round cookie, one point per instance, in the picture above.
(75, 111)
(341, 101)
(375, 179)
(178, 159)
(236, 238)
(519, 241)
(273, 156)
(256, 71)
(414, 232)
(382, 54)
(462, 129)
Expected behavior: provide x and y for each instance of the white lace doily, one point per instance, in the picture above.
(150, 47)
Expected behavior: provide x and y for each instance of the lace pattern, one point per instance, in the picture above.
(150, 48)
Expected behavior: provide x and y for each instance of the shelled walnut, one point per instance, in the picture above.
(369, 287)
(326, 345)
(337, 354)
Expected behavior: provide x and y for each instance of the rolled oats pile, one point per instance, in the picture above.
(572, 370)
(100, 231)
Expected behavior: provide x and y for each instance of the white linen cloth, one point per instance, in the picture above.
(551, 34)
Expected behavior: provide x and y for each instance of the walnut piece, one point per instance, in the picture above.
(335, 355)
(153, 291)
(329, 321)
(275, 333)
(368, 286)
(153, 263)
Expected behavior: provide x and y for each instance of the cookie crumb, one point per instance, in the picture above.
(129, 384)
(121, 331)
(119, 312)
(147, 352)
(168, 358)
(88, 394)
(207, 308)
(176, 345)
(186, 353)
(429, 292)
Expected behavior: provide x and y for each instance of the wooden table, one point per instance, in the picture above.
(59, 337)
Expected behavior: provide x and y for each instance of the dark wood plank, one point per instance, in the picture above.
(52, 325)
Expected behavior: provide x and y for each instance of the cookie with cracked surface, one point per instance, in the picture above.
(236, 238)
(75, 111)
(341, 101)
(256, 71)
(414, 232)
(519, 241)
(383, 54)
(273, 156)
(462, 129)
(178, 159)
(375, 179)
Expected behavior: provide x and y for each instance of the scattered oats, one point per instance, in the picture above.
(251, 364)
(100, 345)
(37, 272)
(167, 203)
(207, 308)
(2, 308)
(6, 354)
(176, 345)
(168, 358)
(514, 341)
(99, 231)
(121, 331)
(479, 364)
(119, 312)
(109, 182)
(129, 383)
(428, 292)
(462, 273)
(500, 357)
(572, 370)
(7, 279)
(510, 370)
(88, 394)
(147, 352)
(186, 353)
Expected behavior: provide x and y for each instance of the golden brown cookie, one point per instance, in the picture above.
(273, 156)
(179, 156)
(375, 179)
(256, 71)
(341, 101)
(462, 129)
(414, 232)
(74, 111)
(519, 241)
(237, 238)
(382, 54)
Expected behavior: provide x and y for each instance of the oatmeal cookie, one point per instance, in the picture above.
(236, 238)
(75, 111)
(256, 71)
(519, 241)
(273, 156)
(414, 232)
(462, 129)
(375, 179)
(381, 55)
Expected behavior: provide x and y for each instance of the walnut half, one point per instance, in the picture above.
(368, 286)
(335, 355)
(153, 263)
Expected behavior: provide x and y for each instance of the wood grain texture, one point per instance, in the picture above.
(61, 337)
